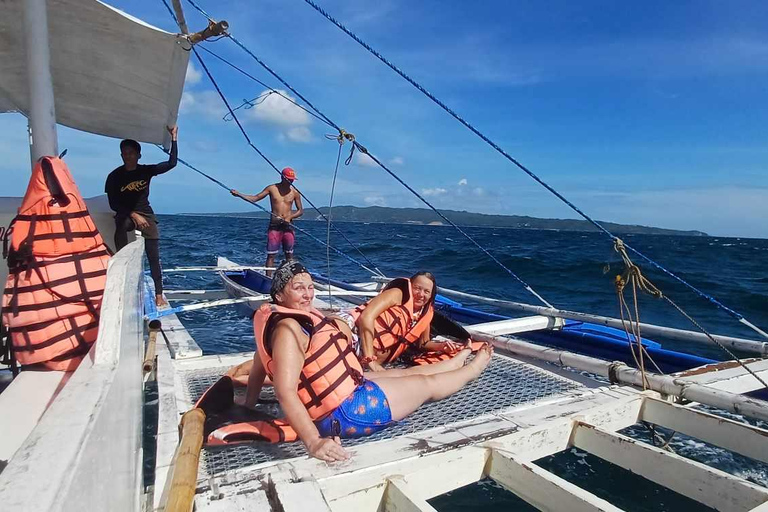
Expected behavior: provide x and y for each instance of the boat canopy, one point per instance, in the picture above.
(113, 74)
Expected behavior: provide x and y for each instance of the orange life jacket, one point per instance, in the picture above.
(331, 370)
(394, 329)
(57, 267)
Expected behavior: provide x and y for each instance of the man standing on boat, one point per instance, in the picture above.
(282, 197)
(127, 188)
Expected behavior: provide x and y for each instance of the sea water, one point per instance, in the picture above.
(571, 270)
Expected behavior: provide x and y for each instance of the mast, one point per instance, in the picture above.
(42, 113)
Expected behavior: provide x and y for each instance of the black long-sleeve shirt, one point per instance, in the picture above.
(128, 191)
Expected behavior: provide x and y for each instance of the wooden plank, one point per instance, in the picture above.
(300, 497)
(24, 402)
(167, 422)
(180, 343)
(541, 488)
(697, 481)
(735, 380)
(401, 497)
(737, 437)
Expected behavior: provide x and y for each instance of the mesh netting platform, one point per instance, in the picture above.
(505, 383)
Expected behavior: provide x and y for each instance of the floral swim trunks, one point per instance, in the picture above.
(364, 412)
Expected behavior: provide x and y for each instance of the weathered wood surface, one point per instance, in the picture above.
(729, 376)
(24, 401)
(439, 460)
(541, 488)
(707, 485)
(737, 437)
(181, 344)
(168, 417)
(85, 453)
(402, 497)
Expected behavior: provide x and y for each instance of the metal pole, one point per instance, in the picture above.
(42, 112)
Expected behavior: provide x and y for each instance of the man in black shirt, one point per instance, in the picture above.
(127, 188)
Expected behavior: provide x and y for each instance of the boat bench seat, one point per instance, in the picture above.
(23, 402)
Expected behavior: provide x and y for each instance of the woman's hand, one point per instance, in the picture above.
(241, 401)
(327, 449)
(450, 347)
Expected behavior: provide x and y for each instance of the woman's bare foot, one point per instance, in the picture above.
(461, 356)
(482, 359)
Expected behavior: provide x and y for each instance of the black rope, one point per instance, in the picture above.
(274, 167)
(310, 235)
(530, 173)
(262, 155)
(362, 148)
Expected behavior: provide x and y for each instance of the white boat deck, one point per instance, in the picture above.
(515, 414)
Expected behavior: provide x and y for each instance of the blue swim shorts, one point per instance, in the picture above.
(364, 412)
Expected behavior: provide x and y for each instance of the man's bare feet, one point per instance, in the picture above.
(160, 301)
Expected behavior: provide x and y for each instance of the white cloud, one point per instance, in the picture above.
(193, 75)
(478, 191)
(277, 110)
(437, 191)
(375, 201)
(299, 134)
(398, 160)
(463, 181)
(364, 160)
(207, 103)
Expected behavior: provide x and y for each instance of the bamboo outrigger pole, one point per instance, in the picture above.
(618, 372)
(744, 345)
(184, 480)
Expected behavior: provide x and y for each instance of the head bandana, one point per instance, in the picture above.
(284, 274)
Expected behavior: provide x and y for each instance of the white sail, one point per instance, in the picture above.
(113, 74)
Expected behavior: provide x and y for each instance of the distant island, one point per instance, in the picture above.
(423, 216)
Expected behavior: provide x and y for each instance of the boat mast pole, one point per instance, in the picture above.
(42, 113)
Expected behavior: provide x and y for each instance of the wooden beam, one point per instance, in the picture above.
(400, 497)
(734, 436)
(697, 481)
(541, 488)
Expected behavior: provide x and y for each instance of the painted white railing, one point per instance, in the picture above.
(85, 453)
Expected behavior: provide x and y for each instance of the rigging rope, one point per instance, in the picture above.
(310, 235)
(361, 148)
(330, 208)
(633, 274)
(530, 173)
(253, 146)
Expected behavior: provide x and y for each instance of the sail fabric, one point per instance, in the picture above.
(113, 74)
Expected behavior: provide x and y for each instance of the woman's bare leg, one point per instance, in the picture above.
(407, 393)
(448, 365)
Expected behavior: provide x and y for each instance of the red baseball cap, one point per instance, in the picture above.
(289, 174)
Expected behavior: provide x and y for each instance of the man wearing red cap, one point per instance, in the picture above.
(282, 197)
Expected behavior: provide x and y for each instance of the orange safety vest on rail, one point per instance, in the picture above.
(395, 329)
(330, 374)
(57, 267)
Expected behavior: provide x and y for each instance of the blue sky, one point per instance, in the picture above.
(651, 113)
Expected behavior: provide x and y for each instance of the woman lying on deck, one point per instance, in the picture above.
(319, 381)
(396, 319)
